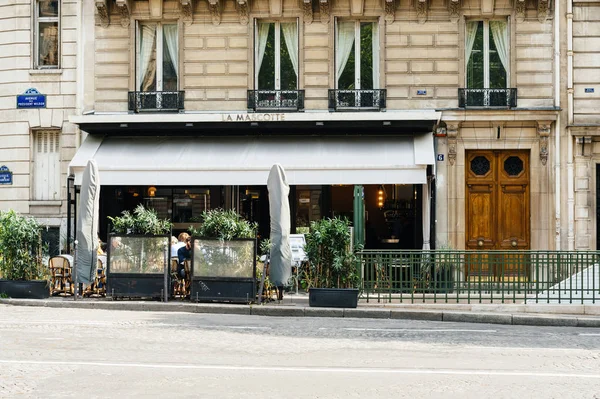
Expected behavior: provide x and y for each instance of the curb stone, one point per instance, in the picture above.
(529, 320)
(488, 318)
(323, 312)
(368, 313)
(417, 315)
(276, 311)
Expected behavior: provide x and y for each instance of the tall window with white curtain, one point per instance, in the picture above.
(47, 33)
(487, 58)
(356, 56)
(276, 55)
(157, 57)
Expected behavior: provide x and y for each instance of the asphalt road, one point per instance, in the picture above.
(50, 353)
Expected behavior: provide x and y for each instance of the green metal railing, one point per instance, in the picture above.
(458, 276)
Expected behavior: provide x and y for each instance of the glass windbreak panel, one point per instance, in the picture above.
(216, 258)
(170, 57)
(188, 204)
(475, 64)
(147, 59)
(266, 59)
(308, 207)
(289, 56)
(137, 254)
(48, 8)
(345, 57)
(498, 38)
(366, 55)
(48, 43)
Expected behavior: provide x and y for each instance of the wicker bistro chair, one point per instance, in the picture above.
(98, 287)
(59, 267)
(181, 286)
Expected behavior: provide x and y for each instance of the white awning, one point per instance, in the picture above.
(196, 161)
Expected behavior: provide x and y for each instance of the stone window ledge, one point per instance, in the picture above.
(45, 71)
(45, 203)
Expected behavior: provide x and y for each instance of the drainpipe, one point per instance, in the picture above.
(570, 120)
(557, 130)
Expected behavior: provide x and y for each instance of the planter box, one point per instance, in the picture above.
(223, 271)
(136, 265)
(333, 297)
(31, 289)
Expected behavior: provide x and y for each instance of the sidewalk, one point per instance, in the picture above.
(296, 305)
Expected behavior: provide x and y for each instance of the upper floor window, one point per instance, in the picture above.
(157, 57)
(487, 45)
(276, 56)
(47, 39)
(356, 55)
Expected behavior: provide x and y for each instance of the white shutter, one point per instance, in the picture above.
(46, 165)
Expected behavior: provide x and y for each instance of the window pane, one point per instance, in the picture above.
(147, 61)
(48, 8)
(347, 80)
(475, 65)
(497, 70)
(344, 55)
(48, 43)
(266, 73)
(366, 55)
(170, 54)
(289, 80)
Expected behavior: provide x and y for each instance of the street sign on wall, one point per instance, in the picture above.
(31, 99)
(5, 175)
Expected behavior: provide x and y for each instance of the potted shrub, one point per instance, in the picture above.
(444, 269)
(138, 254)
(332, 275)
(224, 258)
(22, 274)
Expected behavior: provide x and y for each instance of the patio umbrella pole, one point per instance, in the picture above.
(167, 266)
(74, 270)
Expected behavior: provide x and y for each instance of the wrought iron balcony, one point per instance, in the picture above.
(156, 101)
(276, 100)
(357, 100)
(488, 98)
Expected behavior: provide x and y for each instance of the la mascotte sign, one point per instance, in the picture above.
(5, 175)
(31, 99)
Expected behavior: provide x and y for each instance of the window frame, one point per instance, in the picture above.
(159, 52)
(36, 35)
(357, 58)
(278, 40)
(486, 51)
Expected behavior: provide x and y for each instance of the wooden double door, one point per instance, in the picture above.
(497, 209)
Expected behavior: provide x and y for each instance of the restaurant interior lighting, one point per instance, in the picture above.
(380, 196)
(151, 191)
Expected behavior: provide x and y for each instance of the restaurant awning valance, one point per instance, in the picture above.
(195, 161)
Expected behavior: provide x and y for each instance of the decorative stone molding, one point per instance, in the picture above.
(543, 130)
(243, 13)
(306, 6)
(214, 7)
(187, 10)
(543, 11)
(276, 8)
(452, 133)
(421, 11)
(520, 8)
(357, 7)
(390, 11)
(454, 10)
(156, 8)
(487, 7)
(324, 9)
(102, 8)
(125, 11)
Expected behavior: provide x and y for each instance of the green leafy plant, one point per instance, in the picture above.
(142, 221)
(331, 263)
(20, 247)
(224, 225)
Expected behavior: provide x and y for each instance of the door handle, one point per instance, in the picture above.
(513, 243)
(480, 243)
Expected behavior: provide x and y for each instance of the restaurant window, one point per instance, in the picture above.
(157, 57)
(276, 56)
(46, 35)
(487, 54)
(356, 55)
(46, 165)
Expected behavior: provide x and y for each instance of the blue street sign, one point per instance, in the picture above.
(589, 89)
(440, 157)
(421, 92)
(31, 99)
(5, 175)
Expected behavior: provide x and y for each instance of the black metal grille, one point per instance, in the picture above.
(276, 100)
(506, 98)
(480, 165)
(513, 166)
(357, 100)
(156, 101)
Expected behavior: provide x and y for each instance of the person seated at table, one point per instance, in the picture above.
(184, 253)
(101, 247)
(179, 242)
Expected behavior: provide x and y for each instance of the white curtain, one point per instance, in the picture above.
(375, 54)
(263, 34)
(290, 34)
(147, 39)
(170, 32)
(426, 215)
(470, 40)
(500, 35)
(344, 42)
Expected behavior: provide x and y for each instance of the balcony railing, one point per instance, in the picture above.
(156, 101)
(488, 98)
(276, 100)
(357, 100)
